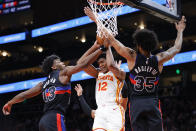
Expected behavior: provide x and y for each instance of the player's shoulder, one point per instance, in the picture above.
(65, 70)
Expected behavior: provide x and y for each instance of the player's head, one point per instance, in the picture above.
(145, 39)
(51, 63)
(102, 63)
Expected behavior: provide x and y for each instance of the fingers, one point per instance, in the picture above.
(76, 88)
(183, 19)
(5, 111)
(176, 24)
(79, 86)
(87, 10)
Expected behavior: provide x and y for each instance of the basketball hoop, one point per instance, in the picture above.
(106, 12)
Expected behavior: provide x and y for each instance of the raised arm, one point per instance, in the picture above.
(21, 97)
(91, 70)
(171, 52)
(81, 66)
(112, 65)
(85, 107)
(88, 52)
(128, 53)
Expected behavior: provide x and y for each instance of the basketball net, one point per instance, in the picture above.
(106, 12)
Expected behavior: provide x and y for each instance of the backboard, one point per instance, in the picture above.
(169, 10)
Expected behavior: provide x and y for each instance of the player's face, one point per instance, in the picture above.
(103, 65)
(58, 64)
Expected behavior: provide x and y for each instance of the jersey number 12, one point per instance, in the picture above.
(103, 86)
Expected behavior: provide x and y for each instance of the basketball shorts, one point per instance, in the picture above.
(145, 114)
(109, 118)
(52, 121)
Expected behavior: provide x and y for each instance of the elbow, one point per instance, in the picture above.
(78, 62)
(85, 64)
(177, 50)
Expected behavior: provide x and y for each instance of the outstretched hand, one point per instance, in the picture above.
(7, 109)
(180, 26)
(79, 89)
(90, 14)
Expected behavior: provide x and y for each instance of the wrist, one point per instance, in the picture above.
(80, 96)
(180, 31)
(9, 103)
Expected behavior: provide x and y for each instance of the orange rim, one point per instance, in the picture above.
(99, 3)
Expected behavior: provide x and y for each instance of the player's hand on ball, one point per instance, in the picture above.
(180, 26)
(79, 89)
(99, 40)
(7, 109)
(97, 44)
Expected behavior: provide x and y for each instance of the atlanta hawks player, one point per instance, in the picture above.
(109, 115)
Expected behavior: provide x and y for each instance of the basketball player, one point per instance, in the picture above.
(56, 91)
(109, 115)
(144, 73)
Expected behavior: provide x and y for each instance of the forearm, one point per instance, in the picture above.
(109, 58)
(171, 52)
(27, 94)
(85, 107)
(120, 48)
(87, 53)
(178, 41)
(92, 57)
(124, 103)
(17, 99)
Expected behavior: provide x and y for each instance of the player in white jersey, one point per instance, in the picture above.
(109, 115)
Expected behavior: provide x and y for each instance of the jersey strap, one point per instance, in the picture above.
(131, 78)
(156, 81)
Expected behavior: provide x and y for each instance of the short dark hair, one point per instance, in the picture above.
(145, 38)
(48, 62)
(103, 55)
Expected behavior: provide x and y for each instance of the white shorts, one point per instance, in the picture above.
(109, 118)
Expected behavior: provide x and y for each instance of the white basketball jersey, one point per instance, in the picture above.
(108, 89)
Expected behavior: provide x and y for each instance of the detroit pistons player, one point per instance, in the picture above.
(144, 75)
(56, 90)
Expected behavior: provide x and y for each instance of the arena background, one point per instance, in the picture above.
(20, 60)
